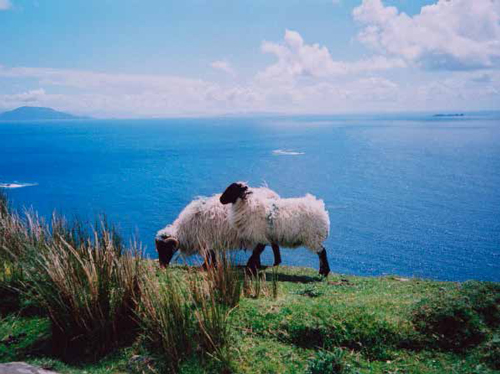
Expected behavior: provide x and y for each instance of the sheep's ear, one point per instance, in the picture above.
(168, 240)
(233, 192)
(173, 242)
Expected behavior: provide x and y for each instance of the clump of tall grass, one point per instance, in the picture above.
(255, 285)
(166, 317)
(223, 280)
(15, 234)
(189, 316)
(89, 289)
(84, 279)
(212, 309)
(261, 284)
(11, 239)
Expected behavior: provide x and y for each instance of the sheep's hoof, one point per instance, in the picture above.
(324, 272)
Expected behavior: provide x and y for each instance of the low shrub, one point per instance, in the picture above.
(484, 298)
(360, 331)
(448, 322)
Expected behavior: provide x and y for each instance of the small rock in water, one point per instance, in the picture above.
(22, 368)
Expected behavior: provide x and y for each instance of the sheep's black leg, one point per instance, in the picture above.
(277, 254)
(254, 261)
(324, 268)
(212, 257)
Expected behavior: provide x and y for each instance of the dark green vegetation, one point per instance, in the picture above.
(77, 300)
(30, 113)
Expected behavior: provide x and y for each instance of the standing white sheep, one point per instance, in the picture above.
(291, 223)
(202, 227)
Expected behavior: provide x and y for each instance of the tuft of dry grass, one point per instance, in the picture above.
(224, 280)
(83, 278)
(214, 296)
(89, 288)
(16, 233)
(166, 317)
(189, 316)
(256, 286)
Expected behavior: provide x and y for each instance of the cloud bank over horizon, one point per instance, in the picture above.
(445, 56)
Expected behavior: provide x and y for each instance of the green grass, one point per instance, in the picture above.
(66, 288)
(363, 324)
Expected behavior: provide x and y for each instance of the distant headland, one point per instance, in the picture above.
(30, 113)
(449, 115)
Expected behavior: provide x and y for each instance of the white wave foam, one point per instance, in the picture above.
(284, 152)
(17, 185)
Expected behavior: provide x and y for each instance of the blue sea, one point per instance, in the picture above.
(408, 194)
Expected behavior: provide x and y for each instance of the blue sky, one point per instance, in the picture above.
(164, 58)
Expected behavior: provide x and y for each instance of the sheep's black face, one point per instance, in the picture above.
(166, 247)
(233, 192)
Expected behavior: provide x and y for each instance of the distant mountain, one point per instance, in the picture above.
(449, 115)
(35, 113)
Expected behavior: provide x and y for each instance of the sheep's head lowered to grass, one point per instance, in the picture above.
(166, 245)
(235, 191)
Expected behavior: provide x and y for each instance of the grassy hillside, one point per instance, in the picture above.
(75, 301)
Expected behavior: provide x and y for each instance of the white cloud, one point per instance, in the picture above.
(304, 78)
(223, 66)
(117, 95)
(5, 4)
(31, 97)
(125, 95)
(296, 58)
(104, 81)
(469, 90)
(450, 35)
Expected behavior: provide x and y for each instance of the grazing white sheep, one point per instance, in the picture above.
(202, 227)
(291, 223)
